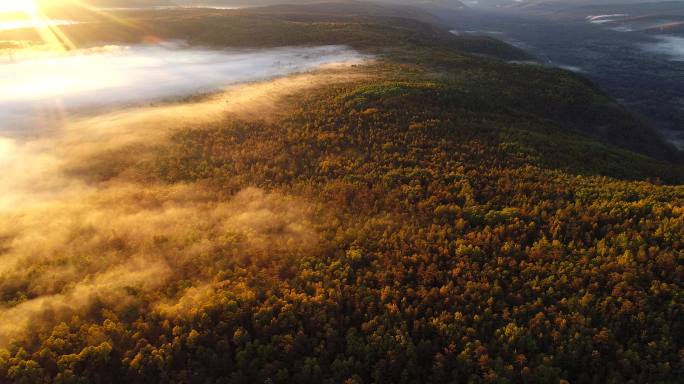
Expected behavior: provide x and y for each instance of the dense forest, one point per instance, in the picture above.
(439, 216)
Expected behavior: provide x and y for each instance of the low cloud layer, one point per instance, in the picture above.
(41, 91)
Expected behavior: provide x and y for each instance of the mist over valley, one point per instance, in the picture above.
(40, 90)
(640, 67)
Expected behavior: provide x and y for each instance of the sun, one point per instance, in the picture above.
(29, 14)
(36, 15)
(10, 6)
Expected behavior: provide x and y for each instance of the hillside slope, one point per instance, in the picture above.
(377, 29)
(431, 216)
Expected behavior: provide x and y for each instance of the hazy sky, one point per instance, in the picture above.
(571, 2)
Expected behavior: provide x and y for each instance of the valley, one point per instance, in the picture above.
(643, 70)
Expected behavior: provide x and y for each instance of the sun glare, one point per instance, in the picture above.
(19, 14)
(35, 14)
(27, 6)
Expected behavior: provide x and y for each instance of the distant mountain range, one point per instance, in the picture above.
(564, 4)
(634, 6)
(645, 16)
(257, 3)
(653, 16)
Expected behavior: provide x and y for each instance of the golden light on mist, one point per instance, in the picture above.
(49, 19)
(38, 15)
(29, 14)
(52, 212)
(82, 209)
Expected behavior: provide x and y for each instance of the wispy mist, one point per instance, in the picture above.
(84, 229)
(671, 46)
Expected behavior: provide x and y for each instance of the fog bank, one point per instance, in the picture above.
(40, 92)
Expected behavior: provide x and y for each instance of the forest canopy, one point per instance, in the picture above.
(437, 214)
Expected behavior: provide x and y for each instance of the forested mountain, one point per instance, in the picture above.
(370, 27)
(564, 4)
(259, 3)
(438, 214)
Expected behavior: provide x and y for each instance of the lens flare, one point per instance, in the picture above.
(18, 6)
(28, 14)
